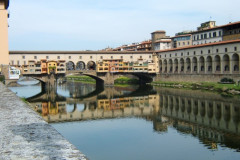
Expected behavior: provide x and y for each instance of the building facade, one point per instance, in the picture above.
(4, 32)
(76, 60)
(221, 58)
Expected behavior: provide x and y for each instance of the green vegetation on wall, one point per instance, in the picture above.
(81, 79)
(223, 88)
(2, 78)
(126, 80)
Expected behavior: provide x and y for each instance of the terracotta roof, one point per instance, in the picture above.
(159, 31)
(183, 35)
(198, 46)
(217, 27)
(78, 52)
(163, 41)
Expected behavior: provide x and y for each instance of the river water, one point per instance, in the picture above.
(141, 122)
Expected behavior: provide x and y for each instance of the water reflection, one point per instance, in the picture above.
(212, 119)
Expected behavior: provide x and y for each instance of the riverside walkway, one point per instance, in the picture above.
(25, 135)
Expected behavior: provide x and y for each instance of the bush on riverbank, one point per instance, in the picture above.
(2, 78)
(126, 80)
(232, 89)
(81, 79)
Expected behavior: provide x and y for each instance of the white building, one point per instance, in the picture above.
(162, 44)
(208, 32)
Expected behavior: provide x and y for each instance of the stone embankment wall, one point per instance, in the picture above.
(196, 78)
(25, 135)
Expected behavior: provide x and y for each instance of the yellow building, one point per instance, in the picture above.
(52, 67)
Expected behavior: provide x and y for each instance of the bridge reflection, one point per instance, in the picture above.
(212, 119)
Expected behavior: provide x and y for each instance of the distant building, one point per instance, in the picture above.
(182, 39)
(210, 33)
(160, 41)
(231, 31)
(207, 33)
(145, 46)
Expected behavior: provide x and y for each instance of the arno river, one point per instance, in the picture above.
(141, 123)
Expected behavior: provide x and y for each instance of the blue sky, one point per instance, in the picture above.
(97, 24)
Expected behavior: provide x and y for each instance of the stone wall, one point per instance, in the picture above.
(25, 135)
(195, 78)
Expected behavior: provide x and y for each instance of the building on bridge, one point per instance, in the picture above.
(43, 67)
(121, 66)
(76, 60)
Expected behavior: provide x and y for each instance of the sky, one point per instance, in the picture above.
(75, 25)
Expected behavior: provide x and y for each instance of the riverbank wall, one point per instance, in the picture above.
(196, 77)
(25, 135)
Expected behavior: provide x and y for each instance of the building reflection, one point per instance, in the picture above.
(212, 119)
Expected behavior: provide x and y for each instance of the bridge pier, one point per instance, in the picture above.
(109, 79)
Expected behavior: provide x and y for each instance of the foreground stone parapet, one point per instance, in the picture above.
(25, 135)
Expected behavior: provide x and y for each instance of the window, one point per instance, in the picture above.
(209, 51)
(111, 57)
(131, 56)
(201, 36)
(170, 55)
(201, 52)
(150, 56)
(217, 50)
(18, 63)
(101, 57)
(205, 36)
(183, 43)
(12, 62)
(35, 57)
(194, 52)
(24, 62)
(176, 54)
(235, 48)
(220, 33)
(121, 57)
(197, 37)
(188, 53)
(214, 34)
(210, 35)
(23, 57)
(47, 57)
(181, 54)
(90, 57)
(58, 57)
(69, 57)
(226, 49)
(80, 57)
(141, 57)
